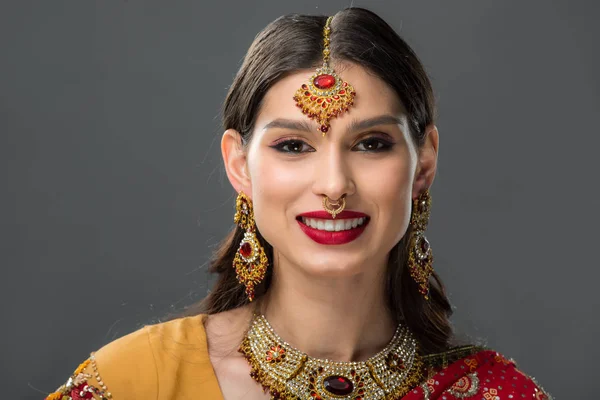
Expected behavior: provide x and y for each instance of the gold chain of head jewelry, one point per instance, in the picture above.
(326, 41)
(288, 373)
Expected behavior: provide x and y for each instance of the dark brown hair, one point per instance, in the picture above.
(292, 43)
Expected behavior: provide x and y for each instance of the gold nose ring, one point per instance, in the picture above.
(330, 206)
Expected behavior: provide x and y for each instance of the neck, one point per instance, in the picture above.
(340, 319)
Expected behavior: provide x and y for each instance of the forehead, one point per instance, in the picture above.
(373, 96)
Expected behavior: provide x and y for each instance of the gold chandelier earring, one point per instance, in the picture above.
(420, 257)
(250, 261)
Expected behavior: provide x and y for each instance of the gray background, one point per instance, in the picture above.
(113, 191)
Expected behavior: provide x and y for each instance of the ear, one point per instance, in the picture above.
(427, 162)
(234, 156)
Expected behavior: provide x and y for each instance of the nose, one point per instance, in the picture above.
(333, 176)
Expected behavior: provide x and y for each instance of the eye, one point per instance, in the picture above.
(293, 146)
(374, 145)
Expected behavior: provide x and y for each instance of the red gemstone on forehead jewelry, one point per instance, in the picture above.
(246, 250)
(338, 385)
(324, 128)
(324, 81)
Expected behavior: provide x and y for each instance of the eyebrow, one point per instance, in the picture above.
(292, 124)
(355, 125)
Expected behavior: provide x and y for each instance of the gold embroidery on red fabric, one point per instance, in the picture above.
(466, 386)
(491, 394)
(499, 358)
(430, 385)
(426, 391)
(78, 386)
(540, 392)
(539, 395)
(472, 364)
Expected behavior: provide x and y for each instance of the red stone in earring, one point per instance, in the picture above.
(250, 261)
(420, 256)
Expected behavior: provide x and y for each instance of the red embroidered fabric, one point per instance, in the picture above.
(485, 375)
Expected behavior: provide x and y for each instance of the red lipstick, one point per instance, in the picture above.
(325, 215)
(333, 238)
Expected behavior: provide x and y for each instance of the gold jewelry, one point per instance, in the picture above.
(420, 256)
(288, 373)
(340, 204)
(326, 95)
(250, 261)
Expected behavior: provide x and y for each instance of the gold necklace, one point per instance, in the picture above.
(288, 373)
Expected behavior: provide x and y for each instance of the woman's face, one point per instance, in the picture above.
(367, 155)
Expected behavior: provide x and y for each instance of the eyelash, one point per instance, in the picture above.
(384, 145)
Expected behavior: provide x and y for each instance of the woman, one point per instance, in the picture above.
(326, 287)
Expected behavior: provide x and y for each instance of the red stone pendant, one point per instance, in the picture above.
(250, 263)
(324, 96)
(324, 81)
(338, 385)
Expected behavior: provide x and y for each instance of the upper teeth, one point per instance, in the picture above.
(333, 225)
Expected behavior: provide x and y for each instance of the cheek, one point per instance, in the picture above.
(273, 180)
(275, 186)
(387, 180)
(389, 188)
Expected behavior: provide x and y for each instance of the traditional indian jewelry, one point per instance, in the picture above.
(334, 207)
(250, 261)
(81, 386)
(326, 95)
(288, 373)
(420, 256)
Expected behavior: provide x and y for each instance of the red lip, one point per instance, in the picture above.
(339, 237)
(325, 215)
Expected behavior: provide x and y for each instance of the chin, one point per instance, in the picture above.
(335, 268)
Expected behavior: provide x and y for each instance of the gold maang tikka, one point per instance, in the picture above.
(250, 261)
(326, 95)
